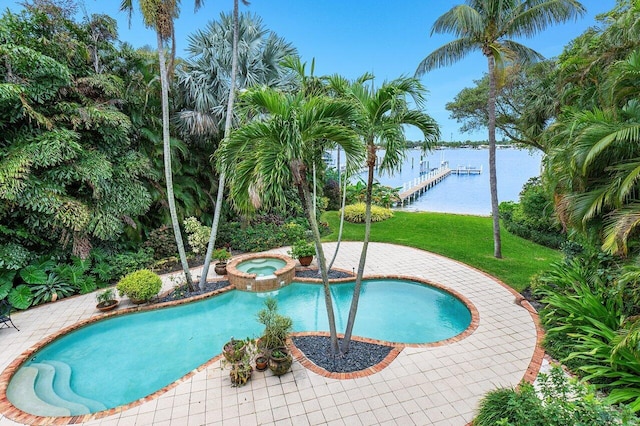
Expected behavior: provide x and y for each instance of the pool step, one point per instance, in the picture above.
(62, 387)
(21, 392)
(44, 388)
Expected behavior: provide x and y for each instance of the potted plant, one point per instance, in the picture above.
(262, 362)
(234, 350)
(240, 372)
(276, 327)
(106, 300)
(140, 286)
(222, 256)
(303, 251)
(280, 361)
(238, 355)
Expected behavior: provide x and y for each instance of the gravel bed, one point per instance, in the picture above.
(537, 304)
(313, 273)
(182, 292)
(361, 355)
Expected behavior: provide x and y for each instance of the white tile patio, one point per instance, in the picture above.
(424, 386)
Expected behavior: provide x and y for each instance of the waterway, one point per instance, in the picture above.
(465, 194)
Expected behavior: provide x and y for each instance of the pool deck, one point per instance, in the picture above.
(434, 385)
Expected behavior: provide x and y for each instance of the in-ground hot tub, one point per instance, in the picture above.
(261, 271)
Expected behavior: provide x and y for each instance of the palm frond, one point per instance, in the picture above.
(533, 16)
(462, 21)
(618, 227)
(446, 55)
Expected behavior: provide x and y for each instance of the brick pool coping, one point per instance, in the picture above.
(246, 281)
(13, 413)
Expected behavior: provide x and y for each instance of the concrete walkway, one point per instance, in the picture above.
(423, 386)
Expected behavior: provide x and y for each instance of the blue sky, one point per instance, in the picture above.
(351, 37)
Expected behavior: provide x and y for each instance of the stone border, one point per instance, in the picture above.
(243, 280)
(15, 414)
(309, 365)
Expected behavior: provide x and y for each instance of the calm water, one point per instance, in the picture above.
(468, 194)
(261, 267)
(127, 357)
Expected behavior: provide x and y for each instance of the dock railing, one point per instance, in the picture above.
(421, 179)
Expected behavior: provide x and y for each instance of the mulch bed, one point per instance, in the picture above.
(361, 355)
(313, 273)
(182, 291)
(528, 295)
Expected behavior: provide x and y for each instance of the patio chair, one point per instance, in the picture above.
(5, 315)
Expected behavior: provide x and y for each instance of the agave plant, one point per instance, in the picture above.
(52, 289)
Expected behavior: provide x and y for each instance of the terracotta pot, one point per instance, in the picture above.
(305, 261)
(221, 268)
(232, 354)
(279, 365)
(262, 363)
(107, 305)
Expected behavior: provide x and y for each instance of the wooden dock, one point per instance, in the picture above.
(467, 170)
(412, 190)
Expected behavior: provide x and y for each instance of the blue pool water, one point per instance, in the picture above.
(127, 357)
(261, 267)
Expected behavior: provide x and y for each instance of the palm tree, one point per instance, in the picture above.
(486, 25)
(227, 130)
(594, 168)
(204, 78)
(208, 81)
(159, 15)
(380, 115)
(270, 154)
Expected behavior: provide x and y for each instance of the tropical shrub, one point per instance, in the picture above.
(77, 274)
(260, 236)
(106, 296)
(381, 195)
(197, 235)
(532, 218)
(20, 297)
(44, 283)
(140, 285)
(221, 255)
(14, 256)
(124, 263)
(331, 190)
(276, 326)
(293, 231)
(302, 248)
(72, 170)
(560, 402)
(162, 242)
(355, 213)
(52, 289)
(587, 328)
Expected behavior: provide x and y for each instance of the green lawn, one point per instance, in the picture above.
(464, 238)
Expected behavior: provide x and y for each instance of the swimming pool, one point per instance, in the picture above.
(119, 360)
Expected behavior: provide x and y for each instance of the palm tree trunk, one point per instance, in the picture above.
(314, 189)
(493, 181)
(344, 201)
(166, 141)
(371, 164)
(227, 130)
(299, 178)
